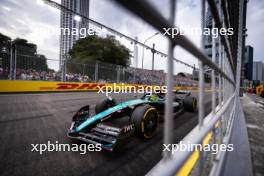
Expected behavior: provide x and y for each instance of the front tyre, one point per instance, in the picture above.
(145, 119)
(104, 105)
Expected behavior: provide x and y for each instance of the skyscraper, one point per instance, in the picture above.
(248, 62)
(70, 22)
(258, 71)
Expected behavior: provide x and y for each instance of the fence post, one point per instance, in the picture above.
(63, 69)
(118, 73)
(219, 75)
(15, 63)
(11, 63)
(213, 71)
(61, 66)
(153, 56)
(201, 88)
(96, 72)
(168, 123)
(83, 65)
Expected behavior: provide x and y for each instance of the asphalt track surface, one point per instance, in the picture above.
(27, 119)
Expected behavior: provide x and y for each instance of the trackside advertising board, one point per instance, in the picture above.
(13, 86)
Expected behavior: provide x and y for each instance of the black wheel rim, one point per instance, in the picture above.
(150, 122)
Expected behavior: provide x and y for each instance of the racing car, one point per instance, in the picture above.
(113, 123)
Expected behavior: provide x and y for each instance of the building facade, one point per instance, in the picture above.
(258, 71)
(248, 62)
(69, 23)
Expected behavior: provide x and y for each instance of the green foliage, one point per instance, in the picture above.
(27, 57)
(4, 42)
(94, 48)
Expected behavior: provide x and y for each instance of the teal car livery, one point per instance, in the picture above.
(112, 124)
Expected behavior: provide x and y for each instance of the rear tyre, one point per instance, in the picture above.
(104, 105)
(190, 103)
(145, 119)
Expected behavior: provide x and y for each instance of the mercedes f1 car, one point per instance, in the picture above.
(113, 123)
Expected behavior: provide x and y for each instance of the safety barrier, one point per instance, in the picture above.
(14, 86)
(225, 71)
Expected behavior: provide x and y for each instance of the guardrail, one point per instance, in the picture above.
(197, 136)
(228, 70)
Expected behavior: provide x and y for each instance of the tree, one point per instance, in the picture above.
(5, 44)
(181, 74)
(27, 57)
(94, 48)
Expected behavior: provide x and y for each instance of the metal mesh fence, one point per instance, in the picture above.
(227, 69)
(39, 68)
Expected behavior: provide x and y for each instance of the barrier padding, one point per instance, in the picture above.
(12, 86)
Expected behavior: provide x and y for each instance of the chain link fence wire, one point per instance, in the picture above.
(25, 67)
